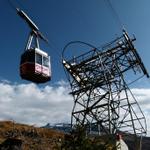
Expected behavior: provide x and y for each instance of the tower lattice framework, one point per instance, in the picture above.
(100, 90)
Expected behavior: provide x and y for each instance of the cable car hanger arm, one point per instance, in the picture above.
(31, 24)
(23, 15)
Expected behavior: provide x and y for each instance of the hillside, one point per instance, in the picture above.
(19, 136)
(14, 136)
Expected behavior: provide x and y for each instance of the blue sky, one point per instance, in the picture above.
(68, 20)
(91, 21)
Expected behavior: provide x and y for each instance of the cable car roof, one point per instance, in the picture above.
(41, 52)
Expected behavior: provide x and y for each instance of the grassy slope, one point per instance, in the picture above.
(32, 137)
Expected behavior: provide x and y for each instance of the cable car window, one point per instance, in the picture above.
(46, 61)
(38, 58)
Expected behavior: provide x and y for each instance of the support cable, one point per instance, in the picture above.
(136, 80)
(12, 5)
(115, 14)
(20, 4)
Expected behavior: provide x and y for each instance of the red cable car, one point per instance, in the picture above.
(35, 66)
(35, 63)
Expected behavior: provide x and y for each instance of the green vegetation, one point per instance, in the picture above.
(79, 141)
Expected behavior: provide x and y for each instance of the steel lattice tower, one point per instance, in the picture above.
(99, 88)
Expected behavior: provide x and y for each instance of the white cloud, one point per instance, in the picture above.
(28, 103)
(143, 98)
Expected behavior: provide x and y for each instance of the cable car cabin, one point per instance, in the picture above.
(35, 66)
